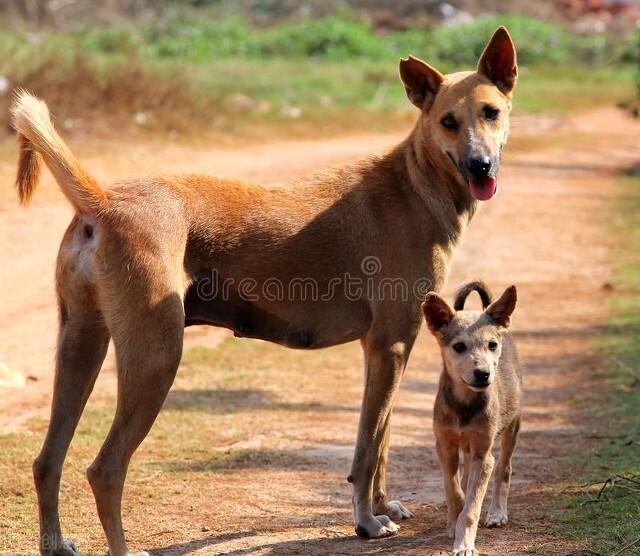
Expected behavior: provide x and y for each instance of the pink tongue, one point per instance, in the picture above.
(483, 190)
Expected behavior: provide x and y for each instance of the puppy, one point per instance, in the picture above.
(478, 399)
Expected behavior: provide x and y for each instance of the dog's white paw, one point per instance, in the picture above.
(496, 518)
(378, 527)
(396, 510)
(388, 523)
(68, 548)
(465, 552)
(139, 553)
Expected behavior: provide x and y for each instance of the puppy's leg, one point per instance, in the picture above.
(466, 468)
(393, 509)
(449, 456)
(82, 346)
(497, 515)
(467, 525)
(385, 364)
(148, 347)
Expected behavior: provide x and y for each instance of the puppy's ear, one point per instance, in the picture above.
(421, 81)
(437, 312)
(500, 311)
(498, 61)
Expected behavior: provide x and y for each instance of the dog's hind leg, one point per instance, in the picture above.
(148, 348)
(82, 345)
(393, 509)
(497, 515)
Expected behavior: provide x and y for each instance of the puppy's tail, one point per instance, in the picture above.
(40, 142)
(475, 286)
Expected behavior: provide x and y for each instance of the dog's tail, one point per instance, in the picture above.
(475, 286)
(39, 141)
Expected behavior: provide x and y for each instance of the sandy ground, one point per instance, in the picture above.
(544, 232)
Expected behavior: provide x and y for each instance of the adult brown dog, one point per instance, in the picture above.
(143, 258)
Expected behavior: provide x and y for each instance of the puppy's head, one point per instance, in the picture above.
(470, 341)
(465, 116)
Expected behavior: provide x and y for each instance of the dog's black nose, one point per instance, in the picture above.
(481, 376)
(479, 167)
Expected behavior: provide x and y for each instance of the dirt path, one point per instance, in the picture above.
(544, 232)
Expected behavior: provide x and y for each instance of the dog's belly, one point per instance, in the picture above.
(302, 325)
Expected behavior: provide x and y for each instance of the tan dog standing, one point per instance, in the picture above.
(144, 258)
(478, 399)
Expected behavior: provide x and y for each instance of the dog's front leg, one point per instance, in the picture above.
(467, 524)
(497, 515)
(384, 365)
(449, 456)
(393, 509)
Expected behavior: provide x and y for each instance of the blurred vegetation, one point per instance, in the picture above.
(609, 515)
(190, 68)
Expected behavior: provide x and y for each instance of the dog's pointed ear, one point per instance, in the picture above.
(498, 61)
(420, 80)
(437, 312)
(500, 311)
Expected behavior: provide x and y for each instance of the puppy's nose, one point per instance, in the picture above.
(480, 166)
(481, 375)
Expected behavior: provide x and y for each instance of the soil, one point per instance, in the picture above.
(546, 232)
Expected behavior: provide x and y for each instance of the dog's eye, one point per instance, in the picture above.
(493, 345)
(449, 122)
(491, 113)
(459, 347)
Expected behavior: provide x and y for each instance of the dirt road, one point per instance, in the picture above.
(544, 232)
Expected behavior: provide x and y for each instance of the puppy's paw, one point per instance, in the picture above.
(496, 518)
(376, 528)
(465, 552)
(395, 510)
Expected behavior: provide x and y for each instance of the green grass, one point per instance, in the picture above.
(614, 521)
(191, 72)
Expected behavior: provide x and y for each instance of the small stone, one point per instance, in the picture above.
(140, 118)
(4, 85)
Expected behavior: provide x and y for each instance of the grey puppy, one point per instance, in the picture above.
(478, 399)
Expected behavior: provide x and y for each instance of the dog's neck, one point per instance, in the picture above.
(462, 401)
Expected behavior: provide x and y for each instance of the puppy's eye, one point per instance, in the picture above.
(491, 113)
(449, 122)
(493, 345)
(459, 347)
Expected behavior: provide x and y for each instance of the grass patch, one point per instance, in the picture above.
(195, 71)
(614, 520)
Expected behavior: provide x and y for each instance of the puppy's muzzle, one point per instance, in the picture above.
(481, 378)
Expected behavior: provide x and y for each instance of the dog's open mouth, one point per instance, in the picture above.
(483, 189)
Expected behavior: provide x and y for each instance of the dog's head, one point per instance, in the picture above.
(470, 341)
(465, 116)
